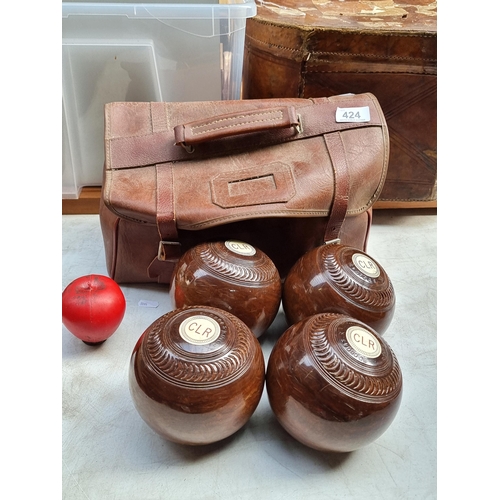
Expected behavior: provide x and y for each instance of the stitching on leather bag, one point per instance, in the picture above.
(320, 213)
(371, 72)
(108, 169)
(152, 129)
(409, 199)
(281, 169)
(208, 125)
(375, 56)
(167, 116)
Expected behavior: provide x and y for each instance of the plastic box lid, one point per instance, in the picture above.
(164, 9)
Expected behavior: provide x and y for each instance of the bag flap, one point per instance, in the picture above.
(244, 159)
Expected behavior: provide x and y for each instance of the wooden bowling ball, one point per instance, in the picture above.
(230, 275)
(196, 375)
(333, 383)
(340, 279)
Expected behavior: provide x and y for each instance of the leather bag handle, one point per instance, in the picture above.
(227, 125)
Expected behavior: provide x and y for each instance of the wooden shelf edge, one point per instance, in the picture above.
(395, 204)
(87, 203)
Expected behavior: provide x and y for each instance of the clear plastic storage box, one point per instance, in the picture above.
(189, 51)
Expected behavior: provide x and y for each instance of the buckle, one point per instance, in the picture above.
(336, 241)
(162, 254)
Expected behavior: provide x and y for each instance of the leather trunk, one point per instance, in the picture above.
(305, 48)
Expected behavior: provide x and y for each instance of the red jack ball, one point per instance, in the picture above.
(93, 307)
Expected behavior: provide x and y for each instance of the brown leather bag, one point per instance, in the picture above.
(284, 175)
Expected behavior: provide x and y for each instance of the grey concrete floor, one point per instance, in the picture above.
(109, 453)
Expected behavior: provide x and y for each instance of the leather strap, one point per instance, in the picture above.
(338, 211)
(169, 249)
(159, 121)
(165, 212)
